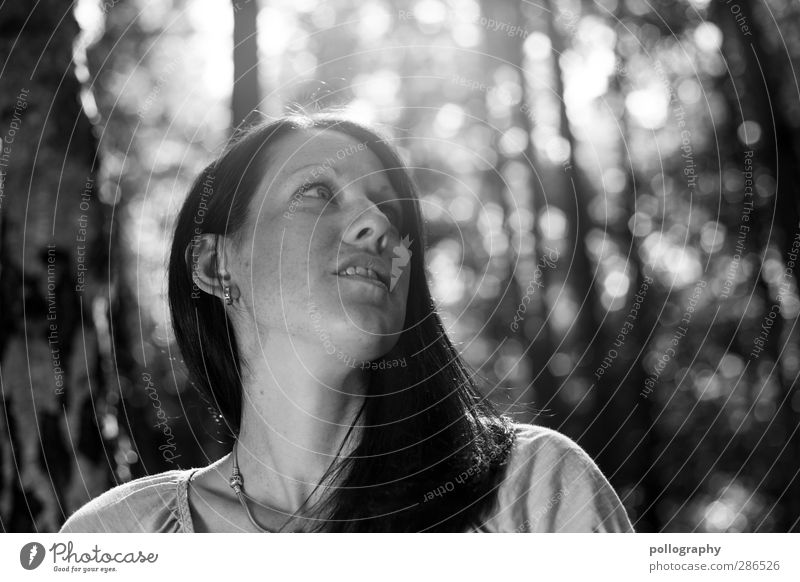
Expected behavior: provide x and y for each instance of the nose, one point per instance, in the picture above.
(371, 229)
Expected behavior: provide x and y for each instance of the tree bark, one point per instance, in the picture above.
(507, 49)
(53, 275)
(760, 82)
(246, 90)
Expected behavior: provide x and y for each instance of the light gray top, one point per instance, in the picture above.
(551, 485)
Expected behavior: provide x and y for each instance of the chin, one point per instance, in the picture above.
(365, 344)
(358, 328)
(370, 319)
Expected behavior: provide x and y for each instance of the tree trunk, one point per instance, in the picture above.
(576, 272)
(760, 82)
(531, 329)
(246, 91)
(55, 286)
(637, 438)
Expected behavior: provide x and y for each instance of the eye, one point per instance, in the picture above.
(319, 190)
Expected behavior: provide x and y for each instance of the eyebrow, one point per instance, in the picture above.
(386, 188)
(321, 166)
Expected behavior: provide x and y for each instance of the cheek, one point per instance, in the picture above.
(279, 263)
(279, 300)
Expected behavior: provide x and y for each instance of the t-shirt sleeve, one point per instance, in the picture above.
(148, 504)
(553, 485)
(92, 519)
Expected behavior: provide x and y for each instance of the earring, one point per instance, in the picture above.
(226, 291)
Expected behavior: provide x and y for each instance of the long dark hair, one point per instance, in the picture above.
(432, 450)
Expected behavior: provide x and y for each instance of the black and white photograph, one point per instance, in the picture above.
(414, 266)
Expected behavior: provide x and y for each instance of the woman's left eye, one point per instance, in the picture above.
(318, 190)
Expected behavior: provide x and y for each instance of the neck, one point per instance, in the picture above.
(298, 406)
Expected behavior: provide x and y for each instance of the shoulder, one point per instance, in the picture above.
(552, 484)
(547, 446)
(147, 504)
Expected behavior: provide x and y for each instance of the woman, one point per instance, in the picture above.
(299, 300)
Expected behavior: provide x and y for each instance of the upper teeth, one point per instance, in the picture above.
(364, 272)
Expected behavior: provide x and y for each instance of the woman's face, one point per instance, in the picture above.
(316, 258)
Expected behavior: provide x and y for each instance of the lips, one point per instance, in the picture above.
(366, 267)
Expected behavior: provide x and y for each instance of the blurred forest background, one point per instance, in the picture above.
(611, 191)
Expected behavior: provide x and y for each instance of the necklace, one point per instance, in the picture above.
(237, 484)
(237, 481)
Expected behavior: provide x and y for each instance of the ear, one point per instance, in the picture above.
(207, 262)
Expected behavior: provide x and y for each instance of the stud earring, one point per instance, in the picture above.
(226, 291)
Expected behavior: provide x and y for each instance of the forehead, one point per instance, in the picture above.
(323, 150)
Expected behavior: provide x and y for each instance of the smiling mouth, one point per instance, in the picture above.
(363, 275)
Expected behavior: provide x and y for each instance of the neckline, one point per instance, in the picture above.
(184, 512)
